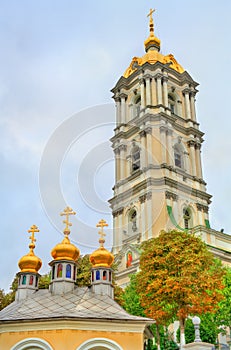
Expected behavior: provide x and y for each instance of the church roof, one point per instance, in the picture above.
(79, 304)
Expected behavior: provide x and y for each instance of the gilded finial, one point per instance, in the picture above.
(67, 212)
(102, 223)
(151, 23)
(32, 230)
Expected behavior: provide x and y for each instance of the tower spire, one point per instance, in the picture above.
(152, 42)
(151, 23)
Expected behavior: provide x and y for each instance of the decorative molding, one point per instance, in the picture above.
(171, 195)
(117, 212)
(145, 197)
(202, 207)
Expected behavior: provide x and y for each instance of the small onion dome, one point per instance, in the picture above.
(101, 257)
(30, 262)
(65, 251)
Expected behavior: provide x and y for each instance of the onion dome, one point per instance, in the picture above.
(30, 262)
(152, 55)
(101, 257)
(66, 250)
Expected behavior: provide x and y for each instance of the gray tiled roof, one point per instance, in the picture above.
(79, 304)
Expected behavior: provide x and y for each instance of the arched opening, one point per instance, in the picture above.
(137, 104)
(187, 215)
(68, 271)
(99, 344)
(179, 154)
(135, 156)
(172, 103)
(132, 221)
(60, 271)
(32, 344)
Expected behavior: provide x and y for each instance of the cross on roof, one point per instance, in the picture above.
(67, 212)
(32, 230)
(102, 223)
(151, 12)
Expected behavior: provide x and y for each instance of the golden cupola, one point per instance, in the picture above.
(152, 55)
(66, 250)
(101, 257)
(30, 262)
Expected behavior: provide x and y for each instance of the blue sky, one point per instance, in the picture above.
(58, 59)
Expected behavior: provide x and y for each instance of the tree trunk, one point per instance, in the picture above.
(182, 333)
(158, 337)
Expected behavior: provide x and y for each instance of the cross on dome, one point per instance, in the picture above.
(32, 230)
(151, 24)
(102, 223)
(67, 212)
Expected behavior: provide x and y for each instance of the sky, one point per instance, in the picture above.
(59, 60)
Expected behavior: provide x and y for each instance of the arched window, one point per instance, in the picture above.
(179, 154)
(24, 279)
(68, 271)
(99, 343)
(172, 103)
(137, 106)
(31, 280)
(32, 344)
(104, 275)
(135, 155)
(60, 271)
(132, 218)
(92, 276)
(187, 218)
(97, 275)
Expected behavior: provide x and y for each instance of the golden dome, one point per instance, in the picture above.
(101, 257)
(152, 55)
(30, 262)
(66, 250)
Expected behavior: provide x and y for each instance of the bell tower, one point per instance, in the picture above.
(157, 145)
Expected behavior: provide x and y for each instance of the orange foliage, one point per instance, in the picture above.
(178, 277)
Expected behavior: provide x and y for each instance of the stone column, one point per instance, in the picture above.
(192, 104)
(165, 90)
(198, 160)
(142, 214)
(148, 91)
(148, 132)
(123, 149)
(123, 108)
(154, 92)
(170, 147)
(163, 143)
(191, 145)
(143, 149)
(159, 89)
(149, 213)
(120, 227)
(142, 94)
(115, 233)
(187, 104)
(118, 111)
(117, 164)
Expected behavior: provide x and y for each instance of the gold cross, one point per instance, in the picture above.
(67, 212)
(150, 13)
(32, 230)
(102, 223)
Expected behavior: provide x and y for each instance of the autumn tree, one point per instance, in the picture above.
(178, 277)
(130, 301)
